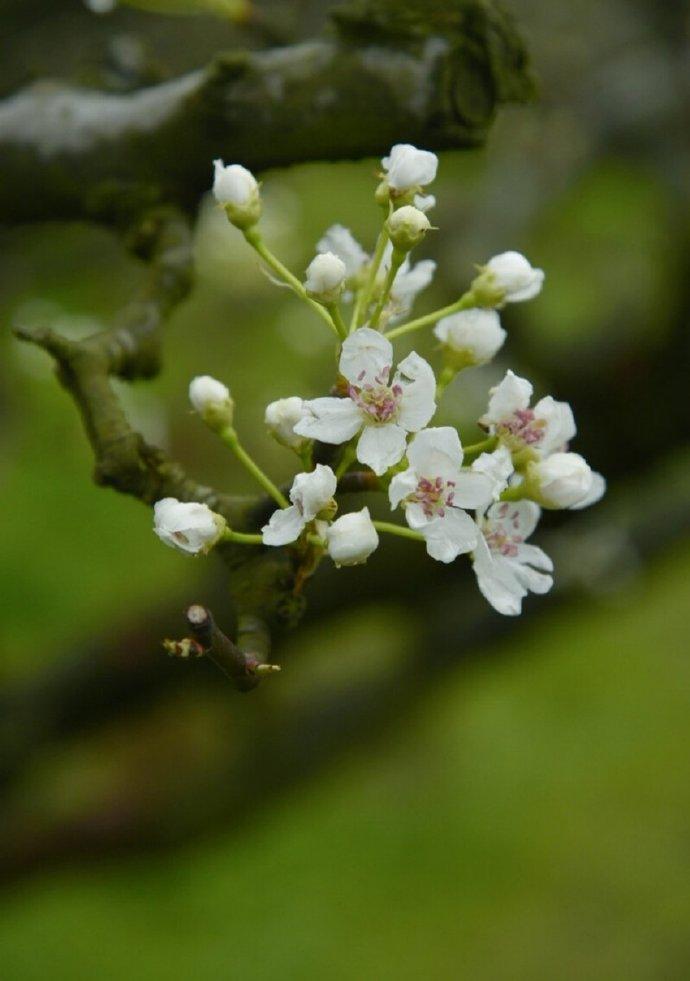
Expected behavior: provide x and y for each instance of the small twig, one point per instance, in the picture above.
(243, 668)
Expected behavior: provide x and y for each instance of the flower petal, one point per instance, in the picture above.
(401, 486)
(596, 492)
(507, 397)
(496, 581)
(535, 582)
(451, 535)
(366, 356)
(534, 556)
(418, 401)
(514, 518)
(473, 490)
(560, 424)
(330, 420)
(497, 466)
(381, 447)
(436, 452)
(312, 491)
(284, 527)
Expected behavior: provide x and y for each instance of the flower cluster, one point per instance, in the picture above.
(482, 500)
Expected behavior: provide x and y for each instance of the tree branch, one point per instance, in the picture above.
(409, 70)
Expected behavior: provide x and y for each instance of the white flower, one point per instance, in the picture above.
(281, 417)
(505, 567)
(563, 480)
(237, 190)
(341, 242)
(407, 167)
(311, 494)
(596, 492)
(425, 202)
(544, 429)
(325, 277)
(512, 277)
(471, 336)
(189, 527)
(497, 466)
(385, 412)
(407, 227)
(212, 400)
(352, 538)
(435, 490)
(410, 281)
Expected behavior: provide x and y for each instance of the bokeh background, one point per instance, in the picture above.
(427, 791)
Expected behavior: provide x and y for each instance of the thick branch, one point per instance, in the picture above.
(433, 74)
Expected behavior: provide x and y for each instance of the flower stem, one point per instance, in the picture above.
(486, 446)
(257, 243)
(400, 530)
(230, 438)
(466, 302)
(346, 459)
(240, 538)
(397, 260)
(373, 271)
(444, 380)
(516, 493)
(337, 318)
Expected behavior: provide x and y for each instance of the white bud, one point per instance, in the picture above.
(407, 227)
(325, 277)
(508, 278)
(341, 242)
(281, 417)
(352, 538)
(236, 189)
(561, 480)
(189, 527)
(407, 167)
(471, 336)
(212, 400)
(425, 202)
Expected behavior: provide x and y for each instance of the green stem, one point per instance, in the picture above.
(230, 438)
(486, 446)
(466, 302)
(400, 530)
(444, 380)
(397, 260)
(516, 493)
(345, 460)
(337, 318)
(357, 309)
(381, 243)
(257, 243)
(241, 539)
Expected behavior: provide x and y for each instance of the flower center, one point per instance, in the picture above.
(503, 537)
(434, 496)
(379, 401)
(524, 426)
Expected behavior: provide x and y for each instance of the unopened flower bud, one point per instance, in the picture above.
(326, 276)
(352, 538)
(470, 337)
(407, 227)
(561, 480)
(212, 400)
(281, 417)
(187, 526)
(507, 278)
(236, 189)
(407, 168)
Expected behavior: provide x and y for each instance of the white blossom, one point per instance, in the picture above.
(237, 190)
(471, 337)
(511, 275)
(506, 568)
(425, 202)
(384, 411)
(407, 167)
(352, 538)
(435, 490)
(340, 241)
(497, 466)
(595, 493)
(311, 493)
(281, 418)
(407, 226)
(326, 275)
(563, 480)
(547, 427)
(205, 391)
(187, 526)
(408, 283)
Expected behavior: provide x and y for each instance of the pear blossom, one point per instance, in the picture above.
(563, 480)
(506, 568)
(409, 282)
(471, 337)
(435, 490)
(340, 241)
(237, 190)
(407, 167)
(281, 417)
(425, 202)
(311, 495)
(352, 538)
(384, 412)
(326, 276)
(187, 526)
(595, 493)
(547, 427)
(407, 227)
(497, 466)
(508, 278)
